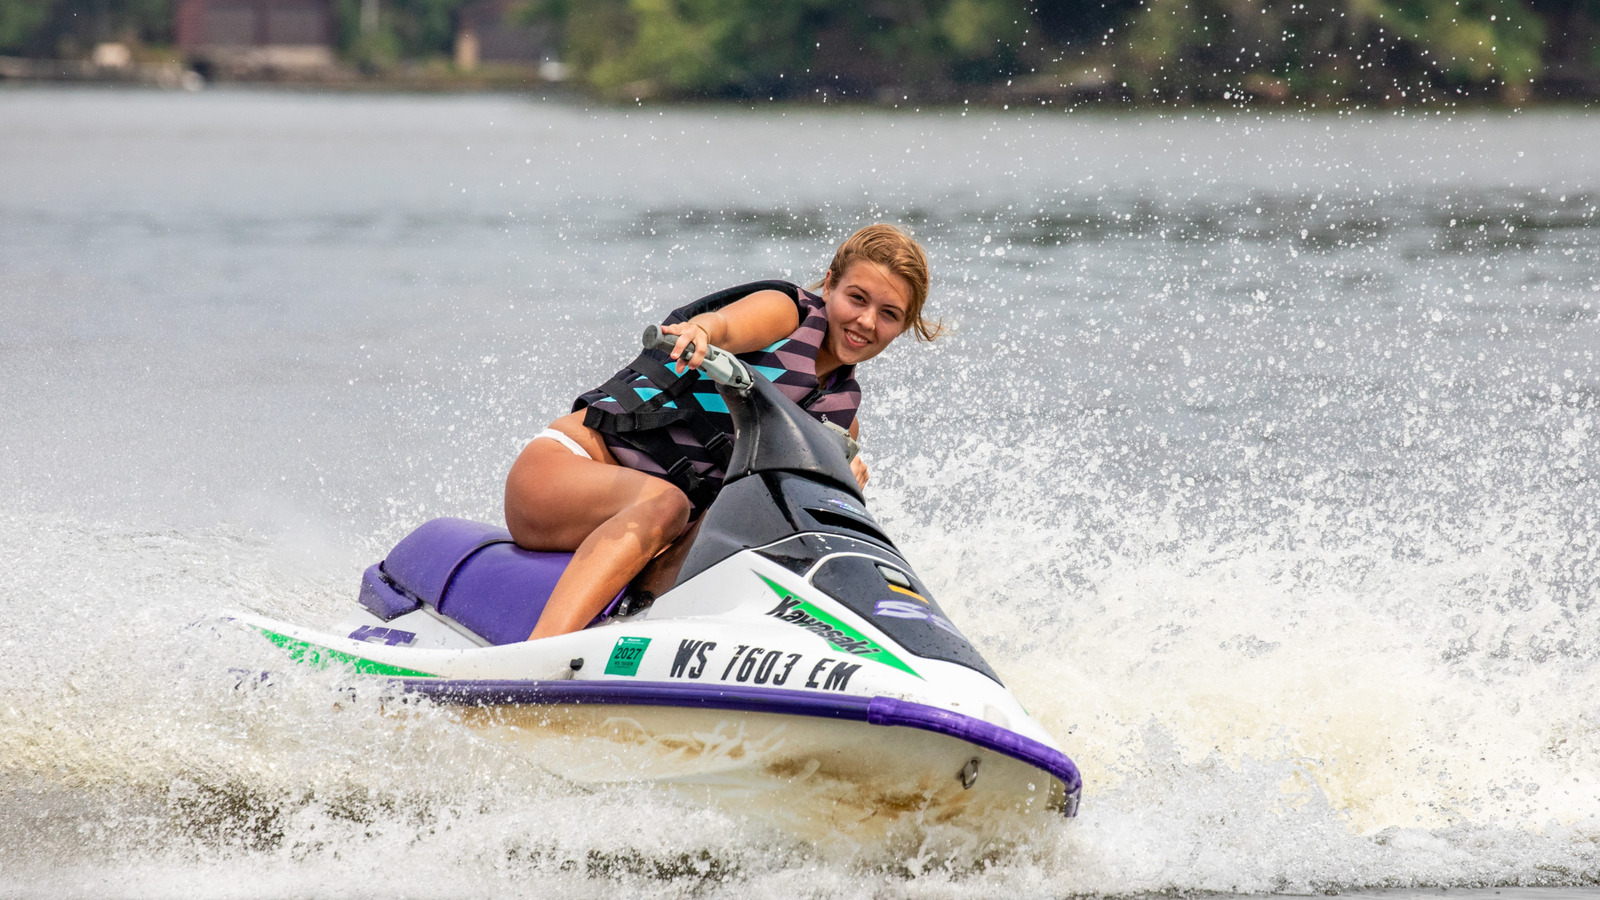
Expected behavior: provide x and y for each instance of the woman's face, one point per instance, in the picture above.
(866, 310)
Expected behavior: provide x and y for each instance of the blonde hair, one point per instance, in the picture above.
(896, 251)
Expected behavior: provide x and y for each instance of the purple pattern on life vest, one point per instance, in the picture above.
(796, 355)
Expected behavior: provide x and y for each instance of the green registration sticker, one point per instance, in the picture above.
(625, 656)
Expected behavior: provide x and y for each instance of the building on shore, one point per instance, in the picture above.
(493, 32)
(256, 36)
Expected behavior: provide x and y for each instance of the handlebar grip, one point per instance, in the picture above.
(719, 365)
(656, 339)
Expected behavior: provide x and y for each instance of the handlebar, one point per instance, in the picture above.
(719, 365)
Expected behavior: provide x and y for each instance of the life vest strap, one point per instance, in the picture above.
(639, 414)
(658, 445)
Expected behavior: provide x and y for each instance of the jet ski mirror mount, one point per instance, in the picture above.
(719, 365)
(851, 448)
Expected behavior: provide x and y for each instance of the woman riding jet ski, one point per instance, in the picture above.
(621, 478)
(791, 647)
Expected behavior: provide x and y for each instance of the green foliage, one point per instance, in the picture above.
(1476, 40)
(783, 47)
(406, 29)
(422, 27)
(20, 20)
(71, 27)
(972, 28)
(1382, 49)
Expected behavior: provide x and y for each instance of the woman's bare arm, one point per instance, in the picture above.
(746, 324)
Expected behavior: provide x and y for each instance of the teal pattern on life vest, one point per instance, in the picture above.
(653, 436)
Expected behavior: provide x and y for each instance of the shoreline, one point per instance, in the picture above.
(1035, 91)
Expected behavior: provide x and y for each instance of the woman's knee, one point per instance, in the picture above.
(554, 501)
(666, 509)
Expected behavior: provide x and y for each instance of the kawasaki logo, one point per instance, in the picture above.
(796, 611)
(789, 610)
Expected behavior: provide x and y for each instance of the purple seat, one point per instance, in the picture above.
(472, 573)
(426, 559)
(501, 590)
(381, 597)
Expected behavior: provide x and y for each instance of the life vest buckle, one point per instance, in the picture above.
(719, 446)
(683, 472)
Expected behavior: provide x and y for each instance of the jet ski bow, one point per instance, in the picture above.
(797, 650)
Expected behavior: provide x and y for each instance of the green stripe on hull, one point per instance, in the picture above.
(321, 657)
(835, 632)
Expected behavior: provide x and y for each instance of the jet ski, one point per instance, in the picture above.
(796, 657)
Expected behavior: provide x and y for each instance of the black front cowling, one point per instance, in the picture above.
(757, 512)
(747, 513)
(772, 434)
(908, 614)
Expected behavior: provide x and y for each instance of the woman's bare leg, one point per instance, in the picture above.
(661, 573)
(614, 519)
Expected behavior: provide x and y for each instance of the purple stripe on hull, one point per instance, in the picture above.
(885, 711)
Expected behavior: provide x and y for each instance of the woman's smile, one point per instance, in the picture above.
(866, 310)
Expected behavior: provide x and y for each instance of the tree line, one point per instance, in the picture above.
(1178, 51)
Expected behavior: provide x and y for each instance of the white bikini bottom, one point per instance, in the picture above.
(565, 441)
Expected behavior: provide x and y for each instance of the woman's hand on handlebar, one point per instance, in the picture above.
(693, 333)
(746, 324)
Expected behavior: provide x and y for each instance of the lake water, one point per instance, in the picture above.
(1260, 462)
